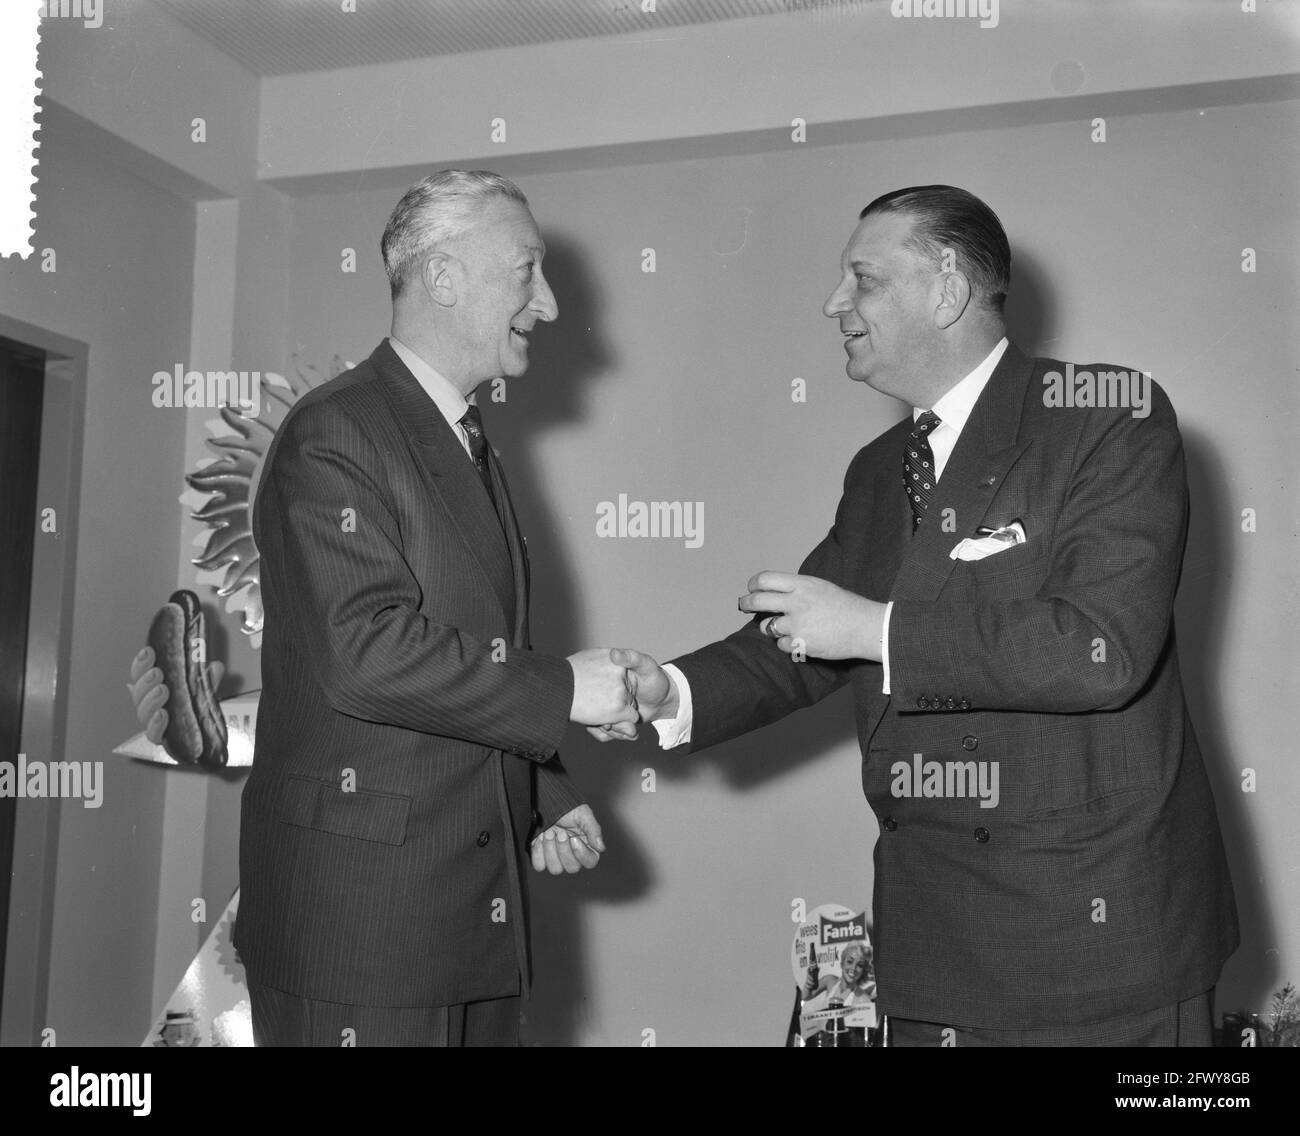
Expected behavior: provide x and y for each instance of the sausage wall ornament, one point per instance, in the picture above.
(196, 731)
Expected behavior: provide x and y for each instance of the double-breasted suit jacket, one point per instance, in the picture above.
(1096, 885)
(407, 734)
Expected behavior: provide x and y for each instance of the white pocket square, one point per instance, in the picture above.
(986, 542)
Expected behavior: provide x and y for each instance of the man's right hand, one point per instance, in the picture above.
(150, 694)
(656, 695)
(603, 692)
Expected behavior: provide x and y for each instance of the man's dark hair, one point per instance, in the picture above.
(945, 217)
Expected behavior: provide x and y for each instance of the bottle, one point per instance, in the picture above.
(840, 1036)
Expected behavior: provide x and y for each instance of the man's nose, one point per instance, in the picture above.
(836, 303)
(544, 300)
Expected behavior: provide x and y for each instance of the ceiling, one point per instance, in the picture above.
(283, 37)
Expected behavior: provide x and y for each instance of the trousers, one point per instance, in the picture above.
(1186, 1023)
(289, 1020)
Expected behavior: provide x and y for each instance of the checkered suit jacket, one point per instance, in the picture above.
(1098, 885)
(405, 731)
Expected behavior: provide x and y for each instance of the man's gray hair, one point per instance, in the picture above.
(436, 209)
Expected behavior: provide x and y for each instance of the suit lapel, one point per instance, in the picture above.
(451, 475)
(518, 549)
(987, 449)
(889, 522)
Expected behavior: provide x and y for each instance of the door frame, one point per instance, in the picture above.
(45, 695)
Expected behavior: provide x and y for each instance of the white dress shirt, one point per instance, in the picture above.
(953, 409)
(445, 397)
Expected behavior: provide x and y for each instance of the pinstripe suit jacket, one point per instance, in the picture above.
(1098, 885)
(406, 731)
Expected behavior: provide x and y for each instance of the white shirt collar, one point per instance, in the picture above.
(446, 397)
(955, 406)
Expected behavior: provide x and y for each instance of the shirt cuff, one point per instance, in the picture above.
(677, 731)
(884, 644)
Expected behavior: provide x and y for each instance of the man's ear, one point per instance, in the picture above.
(954, 294)
(440, 279)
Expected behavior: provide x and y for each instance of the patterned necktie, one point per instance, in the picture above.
(472, 423)
(918, 467)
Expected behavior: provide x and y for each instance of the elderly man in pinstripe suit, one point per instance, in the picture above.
(406, 744)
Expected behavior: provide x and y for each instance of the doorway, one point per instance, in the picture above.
(22, 396)
(42, 398)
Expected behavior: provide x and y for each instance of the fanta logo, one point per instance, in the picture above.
(839, 930)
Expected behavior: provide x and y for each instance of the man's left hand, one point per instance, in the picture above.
(572, 843)
(819, 618)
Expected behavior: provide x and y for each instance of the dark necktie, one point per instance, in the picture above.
(472, 422)
(918, 466)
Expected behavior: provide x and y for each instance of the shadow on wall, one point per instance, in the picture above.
(1030, 307)
(573, 354)
(1201, 611)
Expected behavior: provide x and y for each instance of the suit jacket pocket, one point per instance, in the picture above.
(1136, 797)
(361, 814)
(1016, 573)
(1013, 559)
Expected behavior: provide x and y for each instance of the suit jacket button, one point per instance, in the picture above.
(889, 824)
(951, 704)
(982, 835)
(964, 704)
(923, 703)
(483, 838)
(970, 741)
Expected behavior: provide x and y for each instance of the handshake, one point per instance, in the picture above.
(615, 690)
